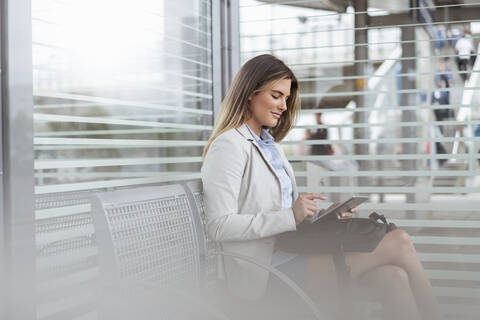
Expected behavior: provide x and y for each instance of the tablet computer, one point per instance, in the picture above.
(345, 206)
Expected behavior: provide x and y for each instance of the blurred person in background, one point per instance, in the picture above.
(319, 134)
(321, 149)
(464, 49)
(477, 134)
(443, 80)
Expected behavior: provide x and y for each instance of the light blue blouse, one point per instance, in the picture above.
(266, 143)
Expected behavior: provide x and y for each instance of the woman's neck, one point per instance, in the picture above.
(255, 127)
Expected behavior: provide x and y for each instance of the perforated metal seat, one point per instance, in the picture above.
(154, 237)
(66, 255)
(147, 234)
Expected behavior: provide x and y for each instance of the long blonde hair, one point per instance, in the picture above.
(256, 75)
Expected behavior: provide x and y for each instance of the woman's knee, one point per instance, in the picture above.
(403, 242)
(388, 281)
(396, 278)
(399, 243)
(396, 248)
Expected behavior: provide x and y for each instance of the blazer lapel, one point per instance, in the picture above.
(243, 130)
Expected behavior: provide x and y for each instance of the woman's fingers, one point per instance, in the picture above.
(305, 206)
(309, 214)
(348, 214)
(310, 208)
(312, 196)
(311, 204)
(344, 215)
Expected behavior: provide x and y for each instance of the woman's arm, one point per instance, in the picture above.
(222, 174)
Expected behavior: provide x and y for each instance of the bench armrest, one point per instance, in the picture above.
(283, 277)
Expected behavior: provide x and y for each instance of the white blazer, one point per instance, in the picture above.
(243, 206)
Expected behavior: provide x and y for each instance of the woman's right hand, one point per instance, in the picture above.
(305, 207)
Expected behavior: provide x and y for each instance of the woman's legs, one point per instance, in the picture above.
(395, 249)
(390, 285)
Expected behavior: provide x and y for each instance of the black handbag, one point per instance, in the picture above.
(351, 235)
(329, 235)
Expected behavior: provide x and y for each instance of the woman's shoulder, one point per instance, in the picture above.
(234, 136)
(228, 145)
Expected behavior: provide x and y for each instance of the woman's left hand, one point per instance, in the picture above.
(347, 214)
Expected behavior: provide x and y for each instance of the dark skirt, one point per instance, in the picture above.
(307, 239)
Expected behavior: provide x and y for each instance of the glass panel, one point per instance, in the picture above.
(417, 158)
(123, 97)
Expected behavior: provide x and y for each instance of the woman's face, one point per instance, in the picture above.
(267, 106)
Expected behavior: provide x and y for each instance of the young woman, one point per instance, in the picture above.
(251, 197)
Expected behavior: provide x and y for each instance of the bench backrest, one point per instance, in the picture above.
(148, 234)
(66, 252)
(212, 263)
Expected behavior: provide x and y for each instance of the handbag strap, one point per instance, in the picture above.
(375, 217)
(342, 271)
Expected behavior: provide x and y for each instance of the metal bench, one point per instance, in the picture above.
(66, 256)
(152, 239)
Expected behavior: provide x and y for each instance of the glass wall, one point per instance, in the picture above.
(122, 97)
(397, 121)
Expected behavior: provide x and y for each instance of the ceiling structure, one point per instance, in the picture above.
(342, 5)
(330, 5)
(396, 12)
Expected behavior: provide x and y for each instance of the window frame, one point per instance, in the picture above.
(17, 161)
(17, 224)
